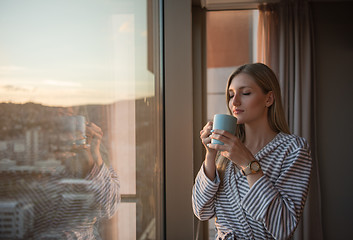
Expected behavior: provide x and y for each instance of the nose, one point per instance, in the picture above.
(236, 100)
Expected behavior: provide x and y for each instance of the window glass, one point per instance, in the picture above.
(79, 120)
(231, 42)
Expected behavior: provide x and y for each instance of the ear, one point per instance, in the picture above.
(269, 99)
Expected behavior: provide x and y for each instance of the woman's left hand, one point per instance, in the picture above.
(233, 148)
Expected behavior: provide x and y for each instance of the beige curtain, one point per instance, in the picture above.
(285, 43)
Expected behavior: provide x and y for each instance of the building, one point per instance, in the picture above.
(16, 219)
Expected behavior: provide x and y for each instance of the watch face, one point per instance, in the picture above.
(255, 166)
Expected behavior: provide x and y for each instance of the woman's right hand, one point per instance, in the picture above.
(210, 158)
(205, 137)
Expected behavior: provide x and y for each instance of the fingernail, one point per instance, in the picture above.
(212, 131)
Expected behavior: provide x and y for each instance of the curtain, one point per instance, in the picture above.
(286, 44)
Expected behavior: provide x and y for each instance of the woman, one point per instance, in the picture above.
(257, 187)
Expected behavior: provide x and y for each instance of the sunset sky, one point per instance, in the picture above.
(73, 52)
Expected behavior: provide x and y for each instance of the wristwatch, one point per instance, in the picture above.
(251, 168)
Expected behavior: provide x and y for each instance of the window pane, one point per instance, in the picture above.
(79, 120)
(231, 42)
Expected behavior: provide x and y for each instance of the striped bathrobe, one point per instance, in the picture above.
(65, 208)
(76, 212)
(272, 208)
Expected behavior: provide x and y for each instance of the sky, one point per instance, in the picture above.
(64, 52)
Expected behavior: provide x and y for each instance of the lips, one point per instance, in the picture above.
(237, 111)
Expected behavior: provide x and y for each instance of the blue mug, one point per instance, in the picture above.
(224, 122)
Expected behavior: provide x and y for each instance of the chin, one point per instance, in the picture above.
(239, 121)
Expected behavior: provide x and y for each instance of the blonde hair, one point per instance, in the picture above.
(266, 79)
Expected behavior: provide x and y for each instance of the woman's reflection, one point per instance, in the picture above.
(67, 202)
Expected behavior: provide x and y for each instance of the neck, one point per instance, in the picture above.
(258, 136)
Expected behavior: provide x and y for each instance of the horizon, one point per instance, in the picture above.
(79, 105)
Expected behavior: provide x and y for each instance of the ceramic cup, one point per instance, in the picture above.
(225, 122)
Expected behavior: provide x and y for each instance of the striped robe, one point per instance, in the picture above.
(76, 212)
(272, 208)
(67, 208)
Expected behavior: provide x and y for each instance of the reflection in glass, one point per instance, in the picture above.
(56, 178)
(78, 120)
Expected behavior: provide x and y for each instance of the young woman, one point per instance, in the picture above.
(257, 182)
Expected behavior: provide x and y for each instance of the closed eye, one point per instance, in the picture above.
(231, 94)
(247, 93)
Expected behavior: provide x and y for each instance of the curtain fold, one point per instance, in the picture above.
(286, 44)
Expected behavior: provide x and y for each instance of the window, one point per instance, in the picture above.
(231, 42)
(80, 111)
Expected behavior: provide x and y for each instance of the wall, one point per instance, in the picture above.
(334, 58)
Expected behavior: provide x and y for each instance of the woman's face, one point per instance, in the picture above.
(247, 102)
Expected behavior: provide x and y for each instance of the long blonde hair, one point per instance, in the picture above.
(266, 79)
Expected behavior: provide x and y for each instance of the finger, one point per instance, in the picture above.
(208, 126)
(221, 138)
(95, 136)
(99, 135)
(92, 127)
(205, 133)
(223, 132)
(217, 147)
(94, 130)
(206, 140)
(95, 127)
